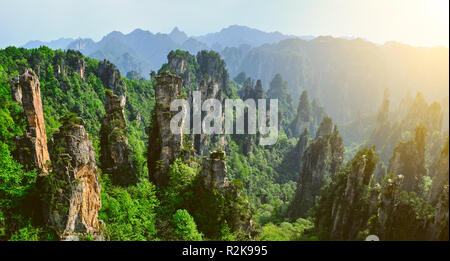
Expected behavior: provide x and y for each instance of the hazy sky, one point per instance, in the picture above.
(416, 22)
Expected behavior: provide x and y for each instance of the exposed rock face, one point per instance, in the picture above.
(214, 176)
(440, 175)
(408, 160)
(213, 84)
(73, 188)
(321, 160)
(214, 170)
(164, 146)
(349, 216)
(300, 148)
(178, 63)
(390, 125)
(259, 91)
(318, 113)
(347, 203)
(326, 126)
(78, 65)
(252, 91)
(438, 229)
(205, 73)
(388, 206)
(16, 90)
(203, 143)
(112, 80)
(72, 61)
(212, 65)
(421, 114)
(304, 118)
(115, 152)
(27, 90)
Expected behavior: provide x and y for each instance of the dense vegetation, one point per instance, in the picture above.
(263, 179)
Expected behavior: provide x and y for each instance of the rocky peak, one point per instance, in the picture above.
(112, 79)
(325, 128)
(383, 113)
(300, 148)
(259, 90)
(213, 69)
(214, 176)
(203, 142)
(309, 115)
(16, 90)
(115, 151)
(209, 73)
(408, 160)
(164, 146)
(252, 91)
(440, 174)
(26, 89)
(303, 120)
(178, 62)
(214, 170)
(348, 216)
(71, 61)
(178, 36)
(320, 161)
(78, 66)
(388, 205)
(73, 188)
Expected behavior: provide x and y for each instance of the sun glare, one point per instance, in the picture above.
(442, 12)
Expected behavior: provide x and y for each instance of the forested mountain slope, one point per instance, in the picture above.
(87, 154)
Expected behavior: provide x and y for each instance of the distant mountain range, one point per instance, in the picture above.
(143, 51)
(347, 76)
(61, 43)
(352, 71)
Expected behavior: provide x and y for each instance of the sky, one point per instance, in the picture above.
(414, 22)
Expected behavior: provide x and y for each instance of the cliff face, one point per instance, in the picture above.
(212, 65)
(164, 146)
(388, 205)
(179, 64)
(303, 120)
(112, 80)
(214, 176)
(439, 226)
(26, 89)
(348, 215)
(440, 174)
(300, 149)
(115, 151)
(214, 82)
(205, 73)
(73, 62)
(78, 66)
(411, 113)
(408, 160)
(320, 161)
(16, 89)
(439, 197)
(73, 188)
(214, 170)
(252, 91)
(203, 143)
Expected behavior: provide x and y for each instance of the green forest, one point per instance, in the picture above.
(86, 154)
